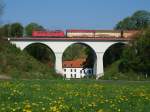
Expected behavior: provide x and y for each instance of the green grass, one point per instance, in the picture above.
(74, 96)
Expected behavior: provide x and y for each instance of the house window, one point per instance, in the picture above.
(64, 70)
(89, 71)
(65, 75)
(71, 75)
(74, 75)
(80, 71)
(71, 70)
(74, 70)
(84, 71)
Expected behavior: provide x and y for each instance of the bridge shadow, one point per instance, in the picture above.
(42, 53)
(112, 54)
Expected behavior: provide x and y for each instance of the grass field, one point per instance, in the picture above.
(74, 96)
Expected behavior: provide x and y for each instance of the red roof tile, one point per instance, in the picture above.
(74, 63)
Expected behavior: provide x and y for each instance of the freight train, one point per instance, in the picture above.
(73, 33)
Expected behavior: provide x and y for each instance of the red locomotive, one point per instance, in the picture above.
(56, 33)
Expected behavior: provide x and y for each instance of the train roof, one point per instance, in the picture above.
(100, 31)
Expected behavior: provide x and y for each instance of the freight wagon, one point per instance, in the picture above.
(100, 33)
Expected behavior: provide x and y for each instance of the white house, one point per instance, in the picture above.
(74, 69)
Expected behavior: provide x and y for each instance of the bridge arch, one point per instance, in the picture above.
(91, 58)
(113, 53)
(81, 43)
(41, 52)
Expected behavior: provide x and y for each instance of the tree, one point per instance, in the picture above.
(126, 24)
(90, 59)
(1, 12)
(16, 30)
(5, 30)
(136, 56)
(73, 52)
(31, 27)
(139, 20)
(142, 19)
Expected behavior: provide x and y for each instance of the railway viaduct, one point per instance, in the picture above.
(59, 45)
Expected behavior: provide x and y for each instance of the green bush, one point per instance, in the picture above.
(112, 73)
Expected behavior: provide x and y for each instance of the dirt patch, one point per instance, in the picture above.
(4, 77)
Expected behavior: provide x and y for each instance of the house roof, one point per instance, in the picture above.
(74, 63)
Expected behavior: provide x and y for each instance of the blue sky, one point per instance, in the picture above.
(68, 14)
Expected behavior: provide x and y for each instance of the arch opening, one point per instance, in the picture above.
(113, 54)
(42, 53)
(79, 61)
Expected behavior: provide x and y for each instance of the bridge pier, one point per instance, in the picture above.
(99, 65)
(58, 62)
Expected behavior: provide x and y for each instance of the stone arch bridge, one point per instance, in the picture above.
(59, 45)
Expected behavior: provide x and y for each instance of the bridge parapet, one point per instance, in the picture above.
(69, 39)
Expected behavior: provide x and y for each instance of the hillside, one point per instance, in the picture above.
(18, 64)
